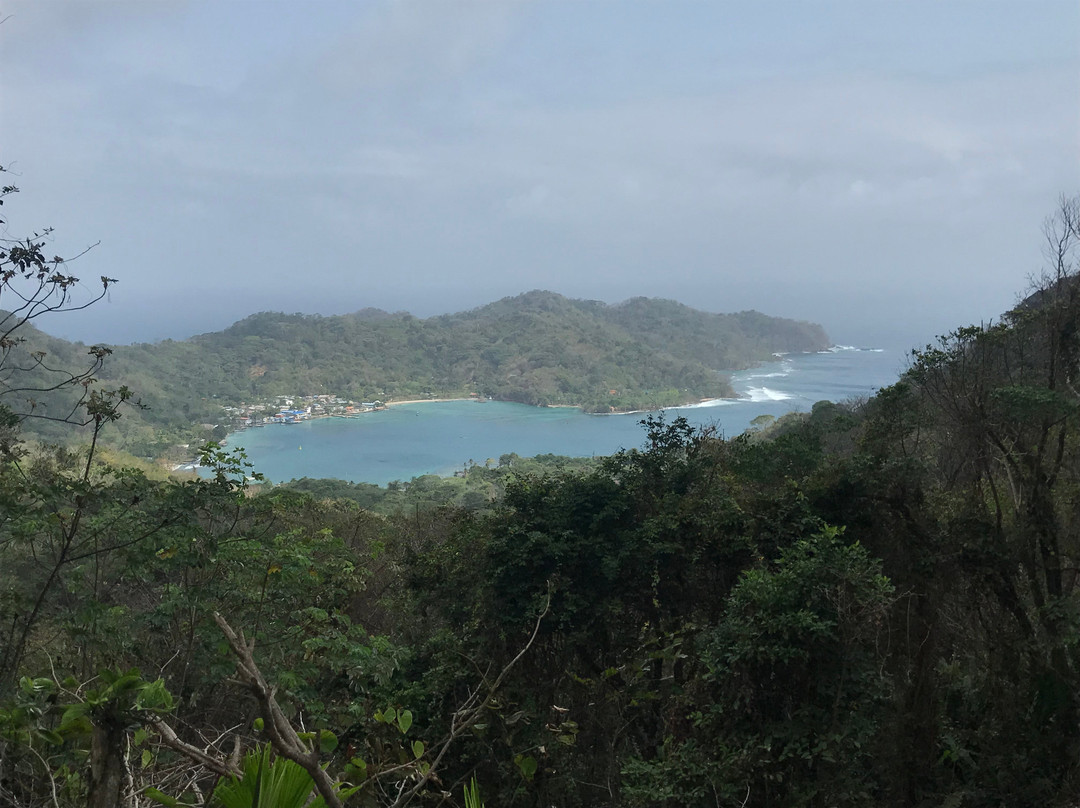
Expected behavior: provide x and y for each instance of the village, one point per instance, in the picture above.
(294, 409)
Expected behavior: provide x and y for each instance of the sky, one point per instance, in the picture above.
(882, 168)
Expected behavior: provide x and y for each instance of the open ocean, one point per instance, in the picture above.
(440, 437)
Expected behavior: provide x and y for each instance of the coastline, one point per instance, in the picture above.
(699, 403)
(427, 401)
(381, 452)
(693, 403)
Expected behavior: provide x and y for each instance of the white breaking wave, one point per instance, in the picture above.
(765, 394)
(769, 375)
(712, 402)
(840, 348)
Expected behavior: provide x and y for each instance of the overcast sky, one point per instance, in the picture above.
(881, 168)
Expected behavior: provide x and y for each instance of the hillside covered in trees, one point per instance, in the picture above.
(872, 604)
(537, 348)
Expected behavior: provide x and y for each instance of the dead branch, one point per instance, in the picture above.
(169, 738)
(287, 743)
(470, 713)
(283, 737)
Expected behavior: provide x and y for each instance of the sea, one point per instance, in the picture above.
(410, 440)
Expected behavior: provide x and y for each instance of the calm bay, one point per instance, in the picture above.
(408, 440)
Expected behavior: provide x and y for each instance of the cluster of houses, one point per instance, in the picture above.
(293, 409)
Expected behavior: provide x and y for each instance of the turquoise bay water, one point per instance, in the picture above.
(440, 437)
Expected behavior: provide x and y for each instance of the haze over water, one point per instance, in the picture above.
(440, 437)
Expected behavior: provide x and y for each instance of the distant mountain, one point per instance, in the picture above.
(536, 348)
(721, 341)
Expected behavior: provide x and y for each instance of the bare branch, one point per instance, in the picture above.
(471, 712)
(283, 737)
(287, 743)
(169, 738)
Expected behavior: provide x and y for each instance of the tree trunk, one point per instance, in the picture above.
(108, 765)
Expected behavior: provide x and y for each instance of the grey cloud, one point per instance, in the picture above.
(405, 44)
(392, 166)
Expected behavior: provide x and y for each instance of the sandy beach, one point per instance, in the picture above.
(427, 401)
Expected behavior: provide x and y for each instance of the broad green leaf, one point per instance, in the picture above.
(73, 713)
(526, 765)
(328, 741)
(268, 782)
(163, 799)
(49, 736)
(356, 770)
(39, 685)
(155, 697)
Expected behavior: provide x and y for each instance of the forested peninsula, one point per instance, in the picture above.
(537, 348)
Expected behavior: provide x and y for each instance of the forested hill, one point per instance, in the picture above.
(536, 348)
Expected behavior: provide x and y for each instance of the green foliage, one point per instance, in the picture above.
(269, 782)
(35, 388)
(474, 488)
(786, 707)
(472, 795)
(797, 673)
(49, 728)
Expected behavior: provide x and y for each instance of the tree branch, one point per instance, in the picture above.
(169, 738)
(282, 736)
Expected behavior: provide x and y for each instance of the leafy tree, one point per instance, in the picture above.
(46, 510)
(799, 687)
(32, 286)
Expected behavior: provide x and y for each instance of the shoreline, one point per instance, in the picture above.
(193, 465)
(701, 403)
(386, 405)
(428, 401)
(692, 403)
(696, 409)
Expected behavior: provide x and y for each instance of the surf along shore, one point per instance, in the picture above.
(428, 401)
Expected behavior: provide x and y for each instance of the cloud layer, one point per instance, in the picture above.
(882, 170)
